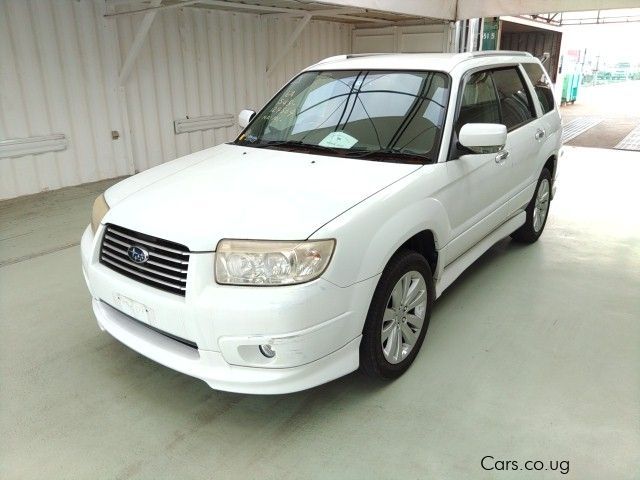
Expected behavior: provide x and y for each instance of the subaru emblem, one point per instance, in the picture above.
(138, 254)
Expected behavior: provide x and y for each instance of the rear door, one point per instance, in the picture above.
(525, 133)
(549, 124)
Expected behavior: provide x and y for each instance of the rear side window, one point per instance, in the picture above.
(541, 85)
(515, 103)
(479, 102)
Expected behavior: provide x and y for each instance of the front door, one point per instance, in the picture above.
(479, 184)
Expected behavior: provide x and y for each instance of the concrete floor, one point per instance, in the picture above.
(618, 104)
(532, 355)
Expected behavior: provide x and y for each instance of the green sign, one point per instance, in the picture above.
(490, 28)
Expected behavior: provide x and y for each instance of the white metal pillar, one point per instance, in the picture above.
(467, 35)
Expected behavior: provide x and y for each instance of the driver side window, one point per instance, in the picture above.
(479, 103)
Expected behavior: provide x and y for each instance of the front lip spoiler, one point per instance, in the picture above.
(211, 367)
(181, 340)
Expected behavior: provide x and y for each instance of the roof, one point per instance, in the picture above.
(444, 62)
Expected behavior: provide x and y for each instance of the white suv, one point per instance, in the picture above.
(318, 240)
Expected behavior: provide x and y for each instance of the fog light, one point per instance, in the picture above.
(267, 351)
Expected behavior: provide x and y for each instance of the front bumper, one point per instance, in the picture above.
(314, 328)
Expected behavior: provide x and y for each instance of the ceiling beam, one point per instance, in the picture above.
(493, 8)
(252, 7)
(352, 14)
(437, 9)
(355, 18)
(601, 20)
(158, 7)
(530, 22)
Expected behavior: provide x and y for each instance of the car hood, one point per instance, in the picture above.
(231, 191)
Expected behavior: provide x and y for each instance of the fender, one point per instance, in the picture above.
(377, 227)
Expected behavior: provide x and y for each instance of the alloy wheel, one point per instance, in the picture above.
(404, 317)
(541, 207)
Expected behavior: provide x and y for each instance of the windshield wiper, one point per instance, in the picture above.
(295, 144)
(402, 156)
(399, 155)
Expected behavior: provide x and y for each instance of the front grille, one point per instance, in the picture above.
(166, 268)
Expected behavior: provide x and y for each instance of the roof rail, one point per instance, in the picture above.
(372, 54)
(499, 53)
(347, 56)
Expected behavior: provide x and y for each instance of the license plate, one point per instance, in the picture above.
(134, 309)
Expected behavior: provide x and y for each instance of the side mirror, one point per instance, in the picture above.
(483, 137)
(244, 118)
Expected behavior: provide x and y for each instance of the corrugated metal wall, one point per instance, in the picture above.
(405, 39)
(318, 40)
(59, 63)
(205, 62)
(57, 75)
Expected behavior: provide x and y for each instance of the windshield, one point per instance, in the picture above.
(384, 115)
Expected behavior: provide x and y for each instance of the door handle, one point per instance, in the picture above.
(539, 133)
(501, 157)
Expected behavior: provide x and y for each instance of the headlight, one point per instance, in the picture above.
(254, 262)
(100, 209)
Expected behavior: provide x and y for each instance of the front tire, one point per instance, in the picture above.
(398, 316)
(537, 211)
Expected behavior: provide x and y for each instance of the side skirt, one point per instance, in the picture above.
(454, 269)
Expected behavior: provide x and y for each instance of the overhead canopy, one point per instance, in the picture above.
(380, 11)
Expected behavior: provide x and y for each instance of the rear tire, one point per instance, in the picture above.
(398, 316)
(537, 211)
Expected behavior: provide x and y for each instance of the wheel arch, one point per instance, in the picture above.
(423, 243)
(366, 245)
(551, 164)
